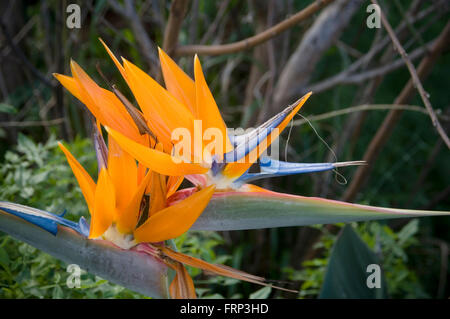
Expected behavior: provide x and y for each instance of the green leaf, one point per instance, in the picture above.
(408, 231)
(136, 271)
(4, 258)
(242, 210)
(7, 108)
(262, 293)
(347, 274)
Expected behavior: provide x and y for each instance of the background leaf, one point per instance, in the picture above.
(346, 274)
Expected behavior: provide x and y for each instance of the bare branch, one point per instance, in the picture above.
(319, 37)
(32, 123)
(415, 78)
(348, 78)
(257, 39)
(366, 107)
(212, 28)
(385, 129)
(342, 76)
(178, 10)
(148, 48)
(23, 58)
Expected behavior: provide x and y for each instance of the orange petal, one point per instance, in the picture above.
(128, 217)
(141, 173)
(155, 160)
(104, 205)
(74, 87)
(71, 85)
(116, 62)
(175, 220)
(182, 286)
(158, 192)
(221, 270)
(163, 112)
(236, 169)
(177, 82)
(206, 107)
(85, 181)
(253, 189)
(216, 269)
(173, 182)
(105, 105)
(123, 171)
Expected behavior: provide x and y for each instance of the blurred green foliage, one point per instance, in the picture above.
(37, 175)
(390, 247)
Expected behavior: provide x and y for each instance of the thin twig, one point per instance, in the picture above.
(356, 78)
(254, 40)
(367, 107)
(365, 59)
(148, 48)
(213, 27)
(20, 35)
(386, 128)
(415, 78)
(444, 252)
(32, 123)
(22, 56)
(178, 10)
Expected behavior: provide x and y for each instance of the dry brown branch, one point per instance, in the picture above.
(367, 107)
(320, 36)
(178, 10)
(384, 131)
(257, 39)
(348, 78)
(340, 78)
(213, 27)
(148, 49)
(20, 35)
(32, 123)
(36, 73)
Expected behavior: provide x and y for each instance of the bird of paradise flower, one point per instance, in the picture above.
(138, 205)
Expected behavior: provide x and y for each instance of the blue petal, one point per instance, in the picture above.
(245, 143)
(63, 213)
(216, 165)
(280, 168)
(273, 168)
(43, 219)
(43, 222)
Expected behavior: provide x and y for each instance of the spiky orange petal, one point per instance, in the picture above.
(104, 205)
(155, 160)
(175, 220)
(221, 270)
(71, 85)
(123, 171)
(177, 82)
(182, 286)
(127, 217)
(164, 113)
(206, 108)
(116, 62)
(158, 191)
(173, 182)
(87, 185)
(105, 106)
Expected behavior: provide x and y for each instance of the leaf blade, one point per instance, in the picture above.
(255, 210)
